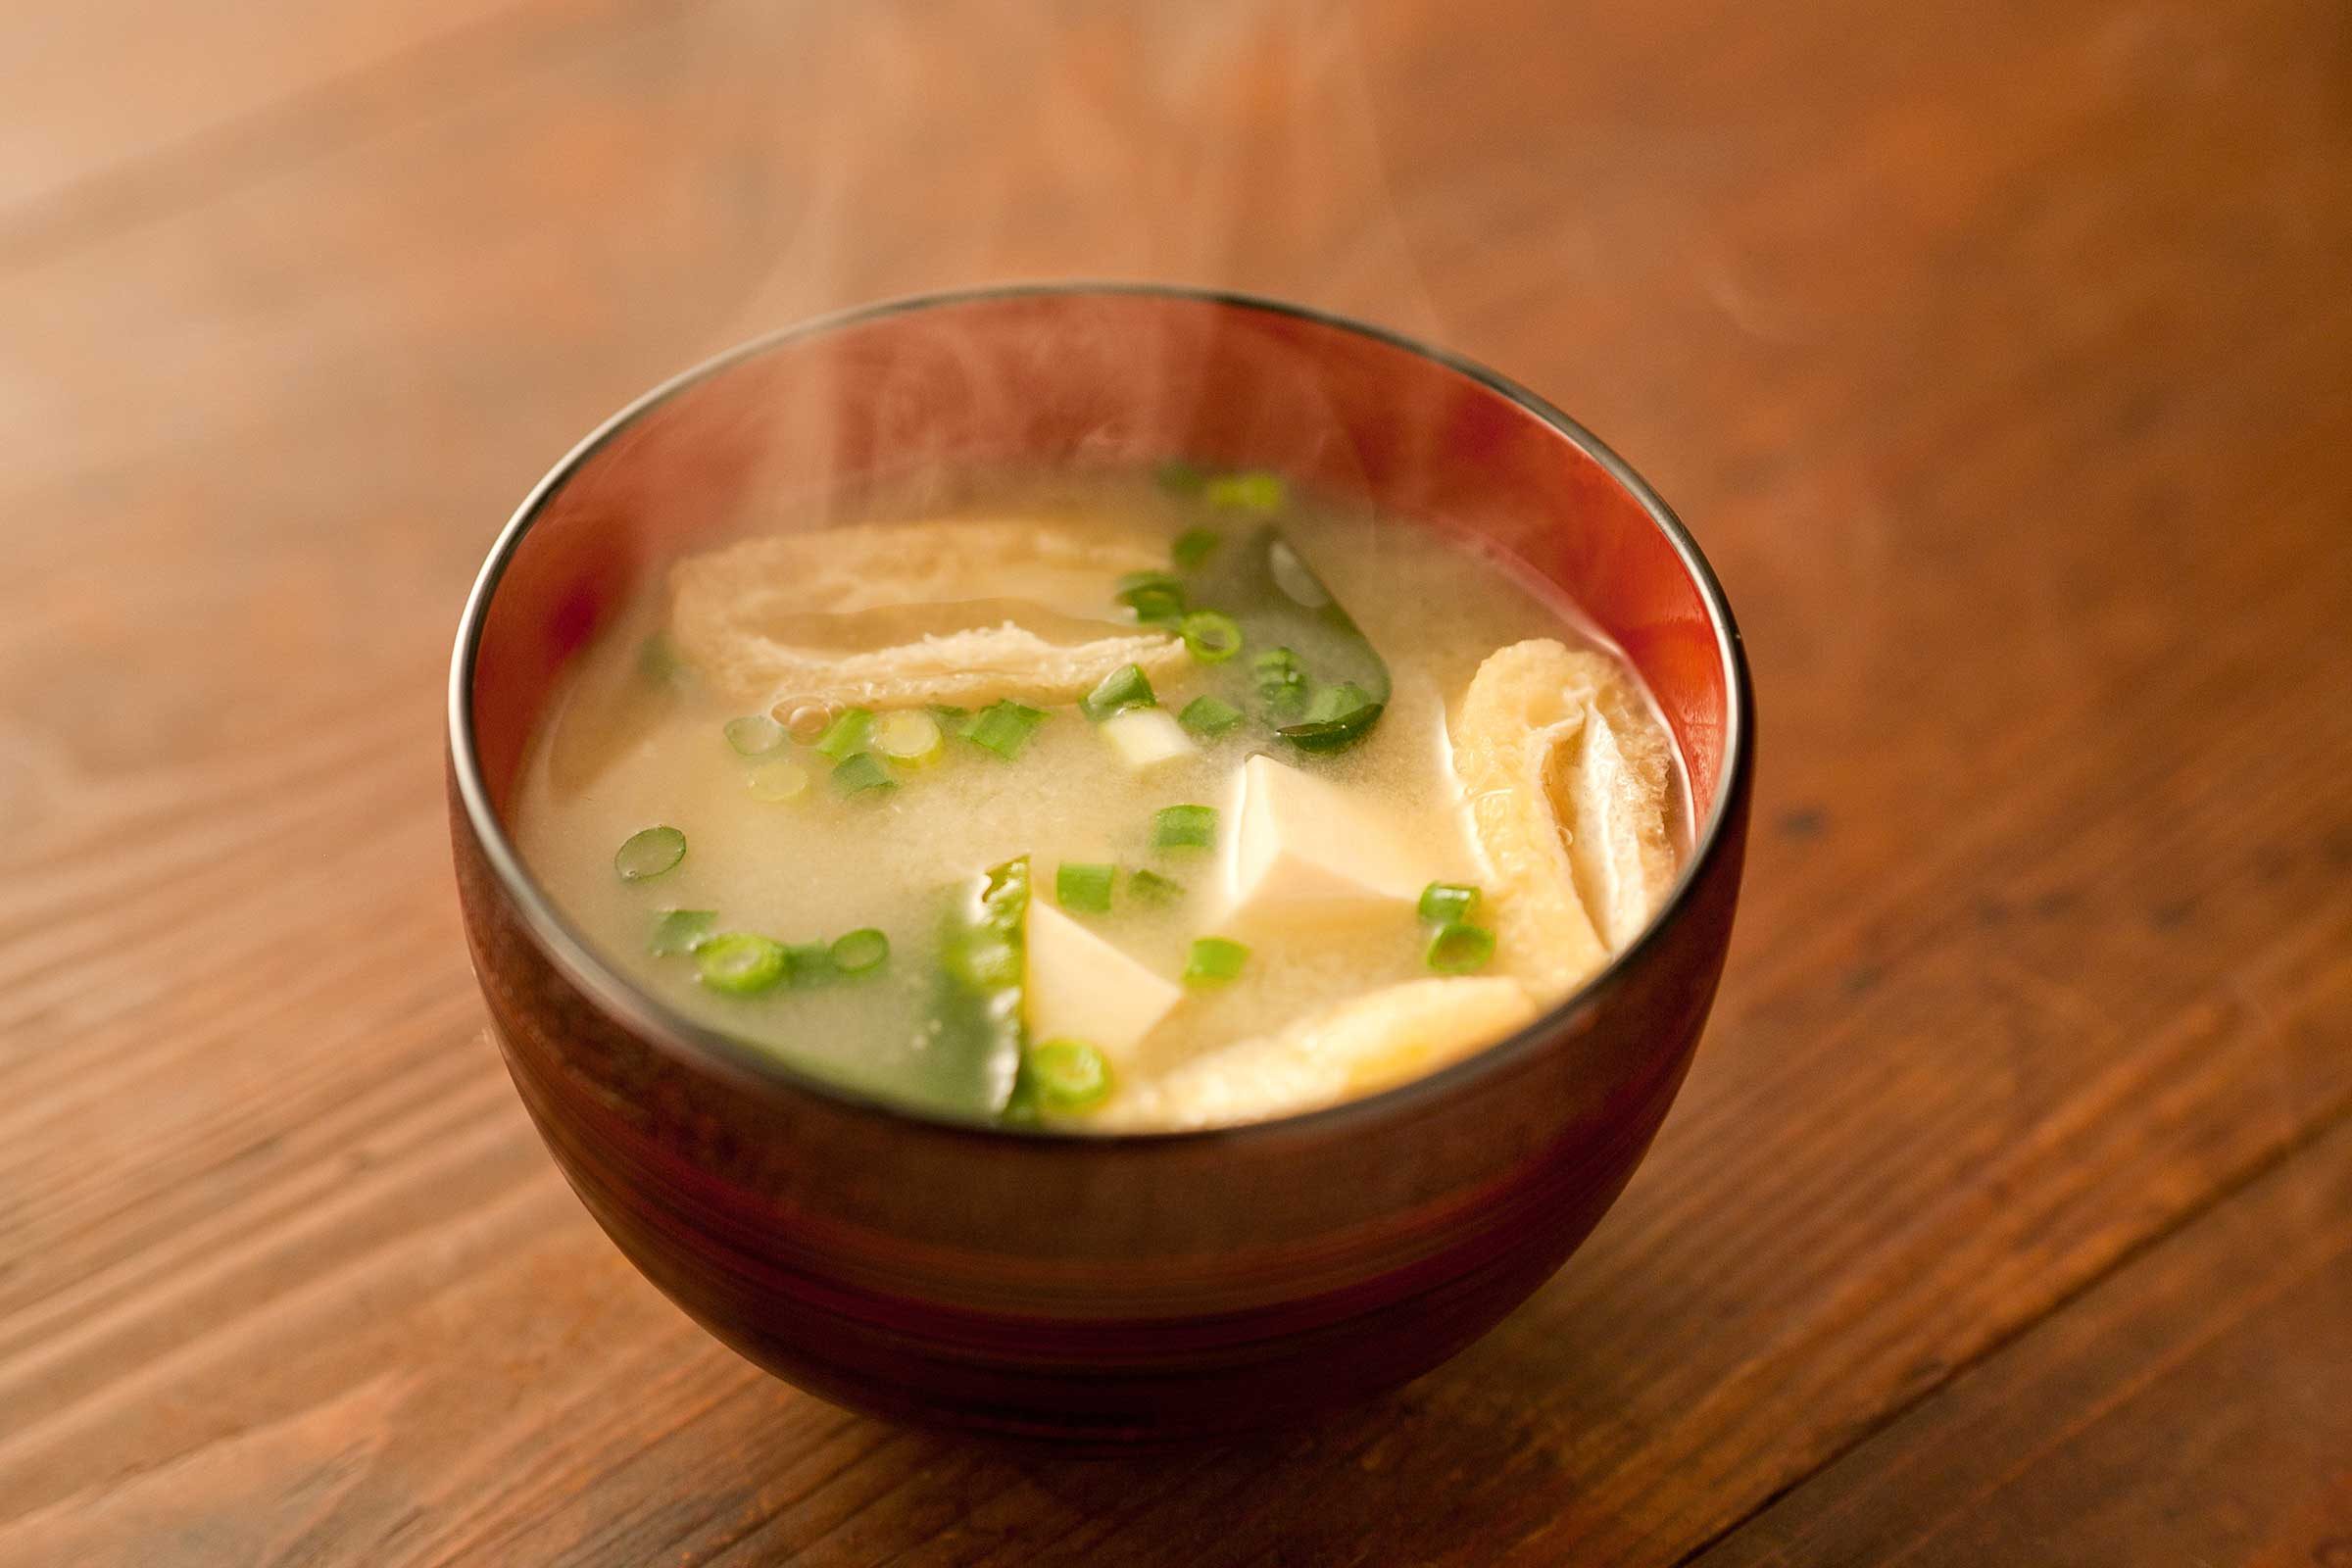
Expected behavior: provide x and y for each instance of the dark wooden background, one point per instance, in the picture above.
(2001, 355)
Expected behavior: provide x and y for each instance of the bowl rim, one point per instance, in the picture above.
(656, 1021)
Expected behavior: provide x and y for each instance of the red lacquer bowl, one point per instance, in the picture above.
(1097, 1290)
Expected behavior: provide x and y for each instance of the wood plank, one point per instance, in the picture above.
(2172, 1414)
(196, 98)
(2007, 396)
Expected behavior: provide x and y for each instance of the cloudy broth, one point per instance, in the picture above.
(638, 736)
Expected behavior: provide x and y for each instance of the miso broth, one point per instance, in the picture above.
(840, 759)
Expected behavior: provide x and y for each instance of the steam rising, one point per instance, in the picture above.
(1229, 144)
(898, 147)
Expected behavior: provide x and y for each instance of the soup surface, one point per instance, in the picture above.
(1145, 801)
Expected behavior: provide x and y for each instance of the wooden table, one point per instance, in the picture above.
(2001, 359)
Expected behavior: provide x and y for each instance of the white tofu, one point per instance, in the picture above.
(1082, 988)
(1143, 736)
(1303, 848)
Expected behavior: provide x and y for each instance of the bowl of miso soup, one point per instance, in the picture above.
(1109, 865)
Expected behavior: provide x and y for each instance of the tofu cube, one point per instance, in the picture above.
(1143, 736)
(1303, 846)
(1082, 988)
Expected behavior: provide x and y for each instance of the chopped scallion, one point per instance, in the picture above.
(1194, 546)
(1131, 581)
(780, 780)
(1154, 607)
(755, 735)
(1084, 887)
(1004, 727)
(741, 964)
(1215, 960)
(857, 776)
(1458, 948)
(1155, 597)
(1147, 886)
(1213, 638)
(1208, 715)
(860, 951)
(910, 738)
(648, 852)
(1066, 1075)
(848, 733)
(1448, 903)
(1281, 682)
(678, 931)
(1123, 688)
(810, 964)
(1184, 828)
(1253, 491)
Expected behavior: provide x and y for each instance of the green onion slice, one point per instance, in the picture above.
(1459, 947)
(741, 964)
(1065, 1076)
(1215, 960)
(861, 774)
(780, 780)
(1123, 688)
(1147, 886)
(810, 964)
(1448, 903)
(1281, 683)
(1184, 828)
(1154, 607)
(1004, 727)
(1208, 715)
(1194, 546)
(1155, 597)
(678, 931)
(1213, 638)
(755, 735)
(1253, 491)
(910, 738)
(848, 733)
(1136, 581)
(648, 852)
(1084, 887)
(860, 951)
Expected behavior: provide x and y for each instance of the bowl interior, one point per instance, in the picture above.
(1063, 379)
(1060, 378)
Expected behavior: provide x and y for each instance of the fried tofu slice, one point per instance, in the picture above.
(895, 616)
(1568, 776)
(1382, 1038)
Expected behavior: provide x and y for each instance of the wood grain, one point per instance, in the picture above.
(198, 99)
(2197, 1406)
(1998, 358)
